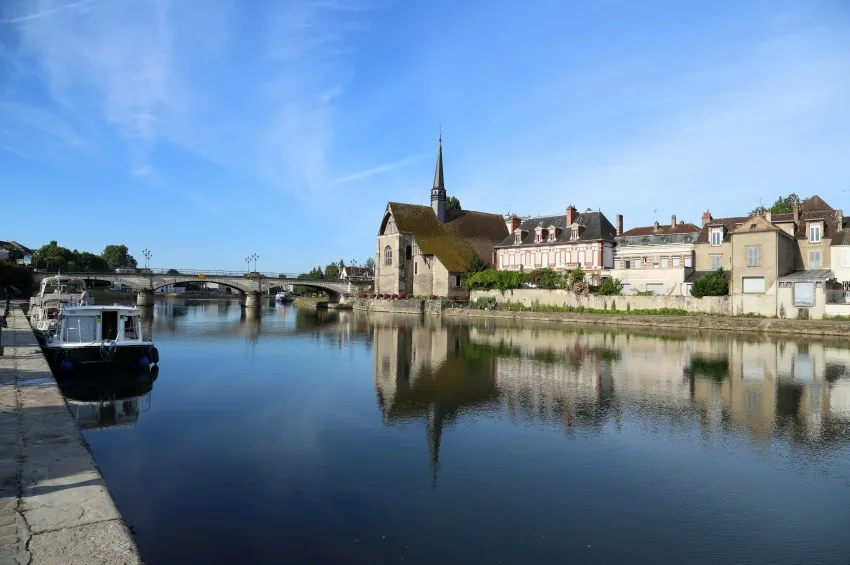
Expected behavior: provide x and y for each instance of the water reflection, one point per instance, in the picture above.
(761, 387)
(109, 402)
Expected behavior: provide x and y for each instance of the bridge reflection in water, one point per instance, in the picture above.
(760, 387)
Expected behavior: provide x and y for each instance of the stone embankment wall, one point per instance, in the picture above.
(718, 323)
(401, 306)
(530, 296)
(54, 504)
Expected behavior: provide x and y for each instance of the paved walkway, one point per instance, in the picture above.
(54, 505)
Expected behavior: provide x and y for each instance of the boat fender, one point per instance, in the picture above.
(153, 354)
(143, 361)
(66, 365)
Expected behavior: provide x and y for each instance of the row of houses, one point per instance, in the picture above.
(774, 262)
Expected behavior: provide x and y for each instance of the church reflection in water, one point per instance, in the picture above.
(436, 371)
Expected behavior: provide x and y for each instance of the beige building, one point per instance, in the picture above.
(656, 258)
(779, 264)
(425, 251)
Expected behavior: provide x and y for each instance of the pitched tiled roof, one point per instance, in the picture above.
(454, 242)
(729, 223)
(596, 227)
(755, 224)
(808, 275)
(842, 237)
(815, 204)
(662, 230)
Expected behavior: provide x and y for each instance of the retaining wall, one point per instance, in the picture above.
(528, 297)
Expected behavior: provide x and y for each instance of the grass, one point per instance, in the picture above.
(508, 306)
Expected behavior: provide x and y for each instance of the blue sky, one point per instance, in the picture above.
(207, 130)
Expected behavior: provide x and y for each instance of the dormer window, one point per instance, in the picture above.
(574, 233)
(815, 232)
(518, 237)
(552, 235)
(716, 236)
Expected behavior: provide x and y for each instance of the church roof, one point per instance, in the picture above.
(454, 242)
(439, 183)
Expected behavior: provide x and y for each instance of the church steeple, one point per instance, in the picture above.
(438, 191)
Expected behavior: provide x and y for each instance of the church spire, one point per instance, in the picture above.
(438, 191)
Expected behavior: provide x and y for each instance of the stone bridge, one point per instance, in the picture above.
(250, 285)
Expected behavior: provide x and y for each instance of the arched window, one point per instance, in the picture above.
(388, 255)
(407, 253)
(415, 268)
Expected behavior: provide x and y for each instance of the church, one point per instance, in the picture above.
(425, 251)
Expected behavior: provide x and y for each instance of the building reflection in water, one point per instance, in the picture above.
(116, 401)
(769, 389)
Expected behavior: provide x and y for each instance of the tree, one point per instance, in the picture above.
(452, 203)
(714, 284)
(118, 257)
(781, 206)
(546, 278)
(370, 263)
(54, 257)
(172, 272)
(610, 287)
(332, 271)
(15, 280)
(477, 264)
(576, 276)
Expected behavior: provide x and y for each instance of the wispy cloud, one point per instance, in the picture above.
(47, 12)
(376, 170)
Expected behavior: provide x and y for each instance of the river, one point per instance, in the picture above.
(296, 436)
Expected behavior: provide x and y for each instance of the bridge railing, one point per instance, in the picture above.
(182, 272)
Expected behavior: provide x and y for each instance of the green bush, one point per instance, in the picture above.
(610, 287)
(714, 284)
(575, 276)
(546, 278)
(492, 279)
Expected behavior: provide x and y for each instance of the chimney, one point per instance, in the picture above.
(839, 220)
(673, 222)
(571, 215)
(797, 209)
(515, 223)
(655, 226)
(706, 218)
(619, 221)
(768, 216)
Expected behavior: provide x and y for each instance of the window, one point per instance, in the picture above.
(814, 232)
(686, 288)
(616, 263)
(753, 285)
(627, 263)
(716, 236)
(845, 256)
(665, 262)
(457, 280)
(804, 294)
(688, 261)
(814, 259)
(676, 261)
(80, 329)
(408, 253)
(130, 327)
(655, 288)
(752, 256)
(552, 235)
(575, 233)
(415, 268)
(715, 262)
(517, 238)
(637, 262)
(388, 255)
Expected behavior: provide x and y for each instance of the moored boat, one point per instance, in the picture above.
(99, 337)
(54, 294)
(284, 297)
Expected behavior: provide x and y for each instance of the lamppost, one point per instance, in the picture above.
(253, 258)
(147, 253)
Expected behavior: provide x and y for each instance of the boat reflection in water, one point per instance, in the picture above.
(112, 402)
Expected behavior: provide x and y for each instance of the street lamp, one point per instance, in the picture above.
(147, 253)
(253, 258)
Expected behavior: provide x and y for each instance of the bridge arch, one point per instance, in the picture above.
(160, 282)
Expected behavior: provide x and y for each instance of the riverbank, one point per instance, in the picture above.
(689, 322)
(54, 504)
(309, 301)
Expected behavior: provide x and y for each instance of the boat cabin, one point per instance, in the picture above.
(94, 324)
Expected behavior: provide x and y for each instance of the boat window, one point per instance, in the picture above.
(110, 324)
(130, 327)
(80, 329)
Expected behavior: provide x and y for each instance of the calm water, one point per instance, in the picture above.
(346, 438)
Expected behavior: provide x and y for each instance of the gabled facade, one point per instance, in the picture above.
(559, 242)
(423, 251)
(654, 258)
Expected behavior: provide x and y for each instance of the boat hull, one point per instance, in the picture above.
(95, 358)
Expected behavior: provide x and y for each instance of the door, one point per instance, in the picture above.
(109, 328)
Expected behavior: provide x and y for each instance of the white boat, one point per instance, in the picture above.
(99, 337)
(284, 297)
(54, 294)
